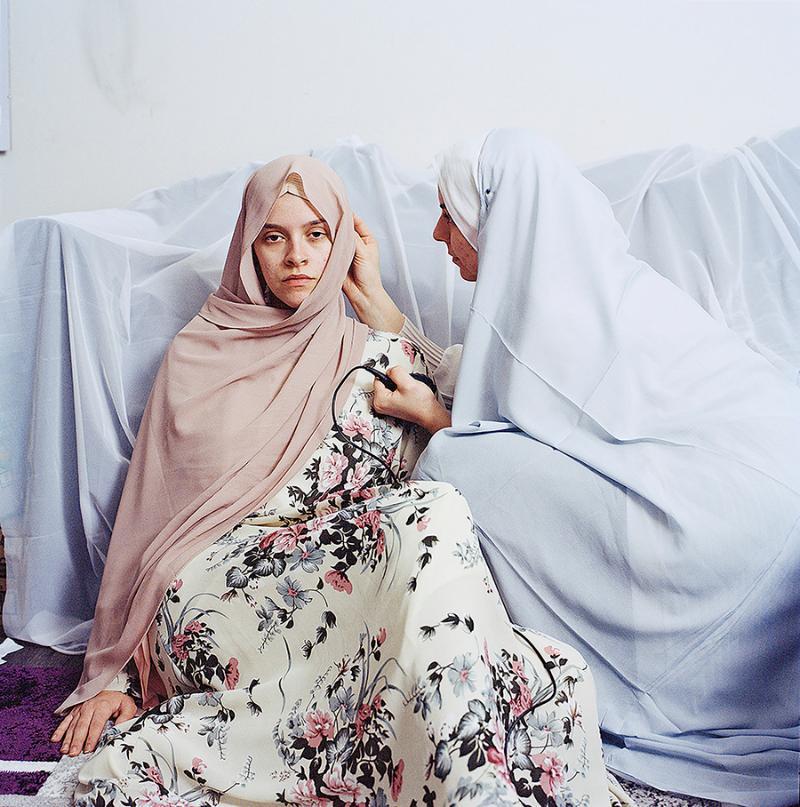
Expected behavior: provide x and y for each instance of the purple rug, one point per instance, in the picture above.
(28, 696)
(22, 783)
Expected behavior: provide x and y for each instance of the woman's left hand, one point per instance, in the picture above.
(412, 401)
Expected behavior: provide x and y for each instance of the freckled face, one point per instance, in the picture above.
(292, 250)
(464, 255)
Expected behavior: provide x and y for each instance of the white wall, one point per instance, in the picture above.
(111, 97)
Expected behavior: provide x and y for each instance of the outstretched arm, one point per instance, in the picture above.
(80, 730)
(83, 725)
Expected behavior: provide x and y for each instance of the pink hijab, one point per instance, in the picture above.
(242, 398)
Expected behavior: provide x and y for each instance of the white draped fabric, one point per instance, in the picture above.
(89, 302)
(681, 438)
(723, 227)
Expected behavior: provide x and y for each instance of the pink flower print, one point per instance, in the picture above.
(519, 669)
(370, 519)
(155, 799)
(304, 794)
(198, 765)
(497, 756)
(552, 772)
(422, 524)
(193, 627)
(154, 774)
(331, 471)
(362, 716)
(176, 584)
(494, 756)
(356, 424)
(408, 349)
(324, 509)
(338, 581)
(287, 537)
(461, 675)
(232, 673)
(345, 787)
(522, 702)
(381, 637)
(319, 725)
(316, 525)
(377, 703)
(366, 493)
(551, 651)
(178, 649)
(380, 544)
(268, 539)
(397, 780)
(357, 477)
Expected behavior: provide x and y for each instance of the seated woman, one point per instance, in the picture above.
(632, 467)
(297, 624)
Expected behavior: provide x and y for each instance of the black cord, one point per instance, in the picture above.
(386, 380)
(339, 429)
(531, 708)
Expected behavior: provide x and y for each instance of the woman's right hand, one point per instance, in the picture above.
(412, 401)
(363, 286)
(82, 727)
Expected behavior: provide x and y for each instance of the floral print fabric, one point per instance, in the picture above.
(345, 645)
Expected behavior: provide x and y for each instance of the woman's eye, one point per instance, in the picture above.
(317, 234)
(272, 237)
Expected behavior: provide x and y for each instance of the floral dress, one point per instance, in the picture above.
(345, 645)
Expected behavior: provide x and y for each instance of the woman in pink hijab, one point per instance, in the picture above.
(283, 618)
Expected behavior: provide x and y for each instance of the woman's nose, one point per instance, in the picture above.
(439, 232)
(296, 255)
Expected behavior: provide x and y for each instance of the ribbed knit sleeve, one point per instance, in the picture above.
(430, 350)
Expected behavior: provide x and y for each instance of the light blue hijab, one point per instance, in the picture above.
(686, 602)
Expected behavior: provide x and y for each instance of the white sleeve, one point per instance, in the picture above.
(443, 364)
(446, 374)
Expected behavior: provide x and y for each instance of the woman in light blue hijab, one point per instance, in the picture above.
(633, 468)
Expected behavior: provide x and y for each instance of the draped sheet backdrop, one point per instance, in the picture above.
(90, 301)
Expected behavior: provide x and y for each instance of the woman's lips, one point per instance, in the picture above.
(298, 280)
